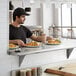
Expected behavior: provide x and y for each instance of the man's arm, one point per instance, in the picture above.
(41, 38)
(36, 38)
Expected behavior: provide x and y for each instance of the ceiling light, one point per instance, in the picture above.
(32, 1)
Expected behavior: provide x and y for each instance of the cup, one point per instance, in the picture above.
(39, 71)
(43, 38)
(28, 73)
(34, 71)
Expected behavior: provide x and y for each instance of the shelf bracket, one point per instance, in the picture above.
(21, 59)
(69, 51)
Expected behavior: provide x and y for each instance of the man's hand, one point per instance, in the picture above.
(20, 42)
(49, 38)
(43, 38)
(17, 41)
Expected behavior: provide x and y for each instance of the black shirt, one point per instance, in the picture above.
(19, 33)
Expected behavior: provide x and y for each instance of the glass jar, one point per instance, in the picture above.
(69, 33)
(50, 29)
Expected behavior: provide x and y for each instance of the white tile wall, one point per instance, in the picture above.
(5, 62)
(17, 3)
(44, 58)
(3, 24)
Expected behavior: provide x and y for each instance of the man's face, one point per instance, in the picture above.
(21, 19)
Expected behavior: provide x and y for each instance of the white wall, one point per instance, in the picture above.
(47, 17)
(6, 60)
(34, 18)
(44, 58)
(5, 65)
(17, 3)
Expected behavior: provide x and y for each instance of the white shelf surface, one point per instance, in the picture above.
(65, 44)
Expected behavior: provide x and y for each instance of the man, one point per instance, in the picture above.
(19, 33)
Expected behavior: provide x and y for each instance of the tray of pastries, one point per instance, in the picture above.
(32, 44)
(53, 42)
(13, 46)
